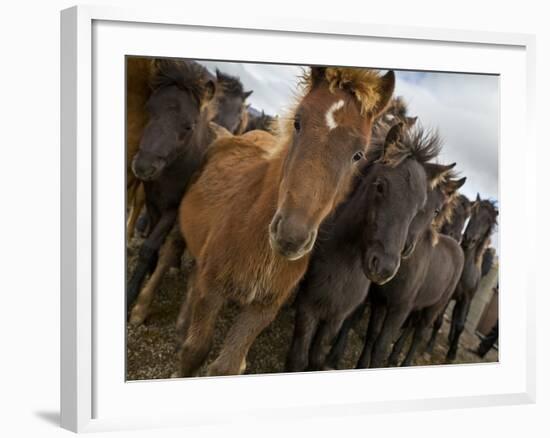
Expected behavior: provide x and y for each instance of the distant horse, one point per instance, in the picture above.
(365, 237)
(454, 226)
(393, 301)
(172, 148)
(476, 238)
(230, 99)
(251, 218)
(259, 120)
(445, 262)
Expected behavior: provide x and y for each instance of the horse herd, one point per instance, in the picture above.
(340, 202)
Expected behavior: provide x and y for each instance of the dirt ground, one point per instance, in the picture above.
(151, 347)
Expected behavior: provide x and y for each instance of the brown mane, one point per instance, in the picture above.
(417, 143)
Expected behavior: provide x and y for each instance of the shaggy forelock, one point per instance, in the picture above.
(417, 143)
(231, 85)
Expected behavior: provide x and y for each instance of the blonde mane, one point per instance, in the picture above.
(363, 82)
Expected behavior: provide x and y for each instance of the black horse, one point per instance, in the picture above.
(475, 241)
(171, 150)
(365, 238)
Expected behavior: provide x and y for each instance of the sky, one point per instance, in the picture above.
(463, 108)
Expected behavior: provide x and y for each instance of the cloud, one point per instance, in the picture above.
(464, 108)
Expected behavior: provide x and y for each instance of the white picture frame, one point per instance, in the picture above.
(94, 395)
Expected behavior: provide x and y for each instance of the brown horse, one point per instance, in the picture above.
(251, 218)
(138, 91)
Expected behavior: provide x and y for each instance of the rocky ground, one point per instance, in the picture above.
(151, 346)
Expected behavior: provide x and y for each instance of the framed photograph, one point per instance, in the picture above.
(255, 209)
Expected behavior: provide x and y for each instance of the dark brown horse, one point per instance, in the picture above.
(392, 302)
(476, 238)
(365, 238)
(230, 99)
(259, 120)
(446, 261)
(172, 148)
(251, 219)
(228, 106)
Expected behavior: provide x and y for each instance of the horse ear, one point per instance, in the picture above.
(436, 173)
(453, 185)
(411, 121)
(218, 74)
(247, 94)
(317, 75)
(478, 198)
(208, 91)
(392, 138)
(385, 90)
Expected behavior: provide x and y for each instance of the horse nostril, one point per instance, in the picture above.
(274, 228)
(373, 264)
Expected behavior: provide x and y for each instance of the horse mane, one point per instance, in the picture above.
(417, 143)
(446, 213)
(187, 75)
(398, 108)
(362, 82)
(230, 85)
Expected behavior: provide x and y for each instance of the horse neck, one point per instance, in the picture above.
(345, 225)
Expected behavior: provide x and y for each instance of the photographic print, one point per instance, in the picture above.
(288, 218)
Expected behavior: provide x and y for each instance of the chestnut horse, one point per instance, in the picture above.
(371, 224)
(251, 218)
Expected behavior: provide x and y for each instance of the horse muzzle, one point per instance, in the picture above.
(290, 239)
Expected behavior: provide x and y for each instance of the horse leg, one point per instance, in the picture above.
(322, 343)
(184, 316)
(169, 254)
(339, 347)
(395, 317)
(242, 334)
(305, 326)
(454, 320)
(148, 255)
(463, 306)
(398, 346)
(206, 305)
(417, 339)
(435, 330)
(138, 203)
(376, 320)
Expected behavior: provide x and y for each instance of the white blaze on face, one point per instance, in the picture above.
(329, 116)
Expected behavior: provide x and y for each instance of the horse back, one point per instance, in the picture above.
(446, 264)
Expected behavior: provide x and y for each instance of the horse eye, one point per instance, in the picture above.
(437, 211)
(297, 125)
(357, 156)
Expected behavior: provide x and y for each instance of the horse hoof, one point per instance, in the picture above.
(137, 316)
